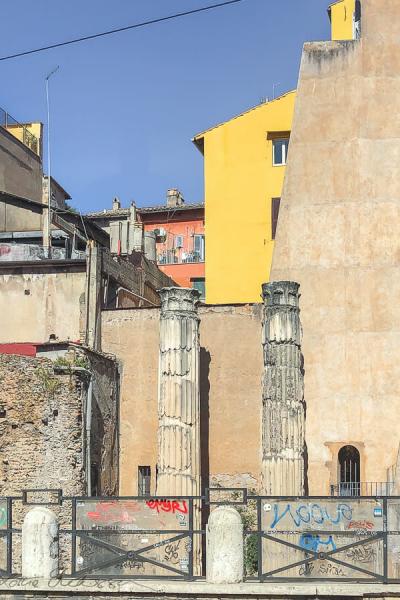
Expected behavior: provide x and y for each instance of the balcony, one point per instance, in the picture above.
(170, 257)
(363, 488)
(19, 131)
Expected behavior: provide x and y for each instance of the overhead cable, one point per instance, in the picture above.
(120, 29)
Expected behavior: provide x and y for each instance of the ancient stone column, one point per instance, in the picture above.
(283, 416)
(179, 395)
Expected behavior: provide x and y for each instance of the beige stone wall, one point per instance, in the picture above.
(39, 301)
(338, 236)
(230, 391)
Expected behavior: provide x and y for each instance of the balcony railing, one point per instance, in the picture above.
(21, 132)
(170, 258)
(363, 488)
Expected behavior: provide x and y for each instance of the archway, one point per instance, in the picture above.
(349, 471)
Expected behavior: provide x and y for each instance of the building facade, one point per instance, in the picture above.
(176, 228)
(338, 237)
(244, 169)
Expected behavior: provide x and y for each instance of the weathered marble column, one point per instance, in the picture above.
(179, 394)
(283, 416)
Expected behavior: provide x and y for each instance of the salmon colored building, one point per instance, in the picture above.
(180, 239)
(179, 235)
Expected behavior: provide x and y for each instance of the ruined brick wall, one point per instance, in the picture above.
(41, 434)
(105, 424)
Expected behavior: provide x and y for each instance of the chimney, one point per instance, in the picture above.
(174, 198)
(133, 212)
(116, 205)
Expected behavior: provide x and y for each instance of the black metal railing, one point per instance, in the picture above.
(332, 539)
(20, 131)
(364, 488)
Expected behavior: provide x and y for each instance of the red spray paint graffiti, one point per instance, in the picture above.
(168, 506)
(114, 512)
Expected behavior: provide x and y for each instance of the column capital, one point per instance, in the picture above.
(281, 293)
(177, 300)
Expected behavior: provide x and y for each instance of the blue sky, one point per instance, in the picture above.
(125, 107)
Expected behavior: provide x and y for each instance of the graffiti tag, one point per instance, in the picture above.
(312, 542)
(360, 525)
(312, 513)
(168, 506)
(114, 512)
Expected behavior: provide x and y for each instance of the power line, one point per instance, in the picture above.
(112, 31)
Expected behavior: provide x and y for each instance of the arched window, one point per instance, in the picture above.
(349, 471)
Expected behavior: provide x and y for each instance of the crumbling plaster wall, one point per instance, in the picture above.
(338, 236)
(231, 367)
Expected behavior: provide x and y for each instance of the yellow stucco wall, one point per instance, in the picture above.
(240, 182)
(341, 14)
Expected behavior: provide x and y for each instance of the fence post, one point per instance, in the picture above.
(224, 559)
(40, 544)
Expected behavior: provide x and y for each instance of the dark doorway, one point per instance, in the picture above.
(349, 471)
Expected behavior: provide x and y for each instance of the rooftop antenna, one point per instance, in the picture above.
(47, 242)
(274, 86)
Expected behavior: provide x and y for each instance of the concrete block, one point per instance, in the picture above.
(224, 546)
(40, 544)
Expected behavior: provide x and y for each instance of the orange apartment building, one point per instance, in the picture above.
(179, 232)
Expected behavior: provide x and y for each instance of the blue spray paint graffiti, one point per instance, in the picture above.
(312, 514)
(311, 541)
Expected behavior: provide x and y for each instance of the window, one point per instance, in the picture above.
(280, 149)
(199, 284)
(144, 480)
(275, 204)
(198, 247)
(179, 241)
(349, 471)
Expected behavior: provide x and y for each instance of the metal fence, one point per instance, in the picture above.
(363, 488)
(333, 539)
(18, 130)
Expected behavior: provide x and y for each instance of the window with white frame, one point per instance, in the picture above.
(179, 241)
(280, 149)
(198, 247)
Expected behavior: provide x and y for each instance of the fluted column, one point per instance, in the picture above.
(179, 394)
(283, 416)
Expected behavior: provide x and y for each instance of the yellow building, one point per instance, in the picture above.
(343, 19)
(244, 168)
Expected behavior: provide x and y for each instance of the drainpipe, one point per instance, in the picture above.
(88, 432)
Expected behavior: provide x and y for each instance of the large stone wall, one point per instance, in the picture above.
(43, 424)
(41, 437)
(231, 367)
(338, 236)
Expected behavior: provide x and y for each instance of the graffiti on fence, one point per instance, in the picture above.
(114, 512)
(322, 568)
(314, 514)
(365, 553)
(315, 543)
(361, 525)
(168, 506)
